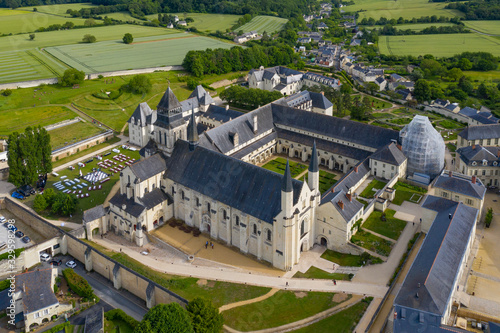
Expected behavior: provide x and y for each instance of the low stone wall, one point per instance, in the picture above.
(63, 123)
(135, 71)
(27, 84)
(81, 145)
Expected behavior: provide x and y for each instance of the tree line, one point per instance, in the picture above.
(390, 30)
(251, 98)
(401, 20)
(478, 9)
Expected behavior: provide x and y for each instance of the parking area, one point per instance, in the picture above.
(34, 236)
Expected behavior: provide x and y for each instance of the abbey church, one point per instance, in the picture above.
(198, 164)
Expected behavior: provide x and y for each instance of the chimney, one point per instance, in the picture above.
(255, 128)
(356, 169)
(473, 179)
(349, 196)
(473, 147)
(227, 106)
(341, 204)
(451, 174)
(323, 93)
(399, 147)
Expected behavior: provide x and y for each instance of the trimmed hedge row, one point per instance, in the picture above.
(121, 315)
(78, 284)
(17, 252)
(58, 328)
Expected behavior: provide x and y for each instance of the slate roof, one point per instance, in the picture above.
(479, 154)
(484, 120)
(4, 299)
(132, 208)
(318, 100)
(169, 101)
(351, 208)
(438, 260)
(243, 186)
(389, 154)
(396, 77)
(468, 111)
(451, 107)
(254, 146)
(328, 81)
(404, 93)
(94, 213)
(379, 80)
(351, 177)
(460, 185)
(155, 197)
(481, 132)
(94, 321)
(221, 114)
(148, 167)
(38, 290)
(143, 113)
(268, 73)
(202, 95)
(149, 149)
(441, 102)
(343, 129)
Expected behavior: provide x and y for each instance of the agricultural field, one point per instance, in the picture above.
(66, 135)
(487, 27)
(58, 9)
(143, 53)
(210, 22)
(422, 26)
(402, 8)
(438, 45)
(269, 24)
(16, 120)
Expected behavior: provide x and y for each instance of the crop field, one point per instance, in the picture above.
(269, 24)
(66, 135)
(402, 8)
(487, 27)
(211, 22)
(438, 45)
(16, 120)
(20, 21)
(422, 26)
(58, 9)
(143, 53)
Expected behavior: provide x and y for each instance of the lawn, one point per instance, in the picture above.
(373, 243)
(279, 164)
(346, 259)
(211, 22)
(376, 103)
(21, 22)
(483, 76)
(66, 135)
(450, 124)
(401, 8)
(375, 184)
(406, 192)
(400, 121)
(382, 115)
(117, 326)
(488, 27)
(282, 308)
(59, 9)
(143, 53)
(451, 147)
(326, 180)
(422, 26)
(16, 120)
(438, 45)
(85, 152)
(316, 273)
(391, 228)
(344, 321)
(269, 24)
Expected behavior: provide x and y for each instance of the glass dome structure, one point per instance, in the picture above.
(423, 146)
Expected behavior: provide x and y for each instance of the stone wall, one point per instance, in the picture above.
(27, 84)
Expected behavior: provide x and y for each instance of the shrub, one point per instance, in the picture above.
(100, 76)
(16, 253)
(488, 217)
(7, 92)
(89, 39)
(78, 284)
(4, 284)
(58, 328)
(121, 315)
(100, 95)
(115, 94)
(128, 38)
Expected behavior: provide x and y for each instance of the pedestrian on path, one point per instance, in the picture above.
(212, 244)
(334, 282)
(206, 245)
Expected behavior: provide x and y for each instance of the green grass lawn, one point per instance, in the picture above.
(422, 26)
(16, 120)
(66, 135)
(376, 103)
(21, 21)
(391, 228)
(450, 124)
(488, 27)
(316, 273)
(59, 9)
(373, 243)
(365, 203)
(346, 259)
(344, 321)
(210, 22)
(279, 164)
(282, 308)
(400, 121)
(369, 192)
(117, 326)
(438, 45)
(483, 76)
(381, 115)
(326, 180)
(406, 192)
(269, 24)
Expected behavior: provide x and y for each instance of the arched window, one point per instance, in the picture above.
(237, 220)
(182, 195)
(302, 227)
(269, 235)
(224, 214)
(255, 229)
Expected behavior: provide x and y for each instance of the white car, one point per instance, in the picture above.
(71, 264)
(2, 219)
(44, 257)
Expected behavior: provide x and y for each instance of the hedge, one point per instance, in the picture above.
(17, 252)
(489, 217)
(121, 315)
(4, 284)
(58, 328)
(78, 284)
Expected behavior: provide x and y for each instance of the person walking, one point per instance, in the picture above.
(212, 244)
(206, 245)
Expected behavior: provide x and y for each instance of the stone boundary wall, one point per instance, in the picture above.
(63, 123)
(73, 148)
(27, 84)
(120, 275)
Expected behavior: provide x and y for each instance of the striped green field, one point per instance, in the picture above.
(145, 52)
(269, 24)
(211, 22)
(58, 9)
(422, 26)
(66, 135)
(438, 45)
(487, 27)
(17, 21)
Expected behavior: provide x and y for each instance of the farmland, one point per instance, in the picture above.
(401, 8)
(438, 45)
(20, 21)
(143, 53)
(58, 9)
(269, 24)
(211, 22)
(422, 26)
(487, 27)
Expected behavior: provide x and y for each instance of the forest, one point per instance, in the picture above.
(478, 9)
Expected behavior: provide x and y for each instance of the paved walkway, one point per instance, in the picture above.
(249, 301)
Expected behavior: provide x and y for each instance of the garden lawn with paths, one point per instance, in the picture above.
(391, 227)
(316, 273)
(279, 165)
(377, 104)
(369, 192)
(346, 259)
(373, 243)
(326, 180)
(451, 147)
(406, 192)
(282, 308)
(381, 115)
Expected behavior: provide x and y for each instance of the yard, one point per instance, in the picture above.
(279, 165)
(282, 308)
(376, 103)
(370, 190)
(382, 115)
(117, 326)
(326, 180)
(269, 24)
(405, 192)
(401, 121)
(346, 259)
(451, 147)
(391, 227)
(66, 135)
(316, 273)
(450, 124)
(373, 243)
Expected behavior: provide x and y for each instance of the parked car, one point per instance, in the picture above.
(17, 195)
(71, 264)
(11, 227)
(26, 190)
(26, 239)
(2, 219)
(55, 262)
(19, 234)
(44, 257)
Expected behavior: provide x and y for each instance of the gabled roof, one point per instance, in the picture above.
(468, 111)
(460, 185)
(148, 167)
(221, 114)
(351, 207)
(38, 290)
(94, 213)
(155, 197)
(352, 177)
(481, 132)
(243, 186)
(143, 113)
(131, 207)
(169, 101)
(389, 154)
(438, 261)
(479, 154)
(484, 120)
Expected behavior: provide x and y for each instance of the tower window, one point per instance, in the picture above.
(255, 229)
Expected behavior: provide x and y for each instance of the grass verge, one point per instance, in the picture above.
(391, 227)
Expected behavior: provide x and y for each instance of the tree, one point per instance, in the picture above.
(139, 84)
(7, 92)
(465, 64)
(71, 77)
(89, 22)
(49, 195)
(205, 317)
(372, 87)
(128, 38)
(192, 83)
(40, 204)
(422, 91)
(455, 73)
(32, 36)
(88, 38)
(64, 204)
(170, 318)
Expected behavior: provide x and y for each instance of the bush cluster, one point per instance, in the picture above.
(112, 95)
(121, 315)
(488, 217)
(78, 284)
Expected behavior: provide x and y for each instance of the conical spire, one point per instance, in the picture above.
(286, 184)
(313, 166)
(168, 102)
(192, 131)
